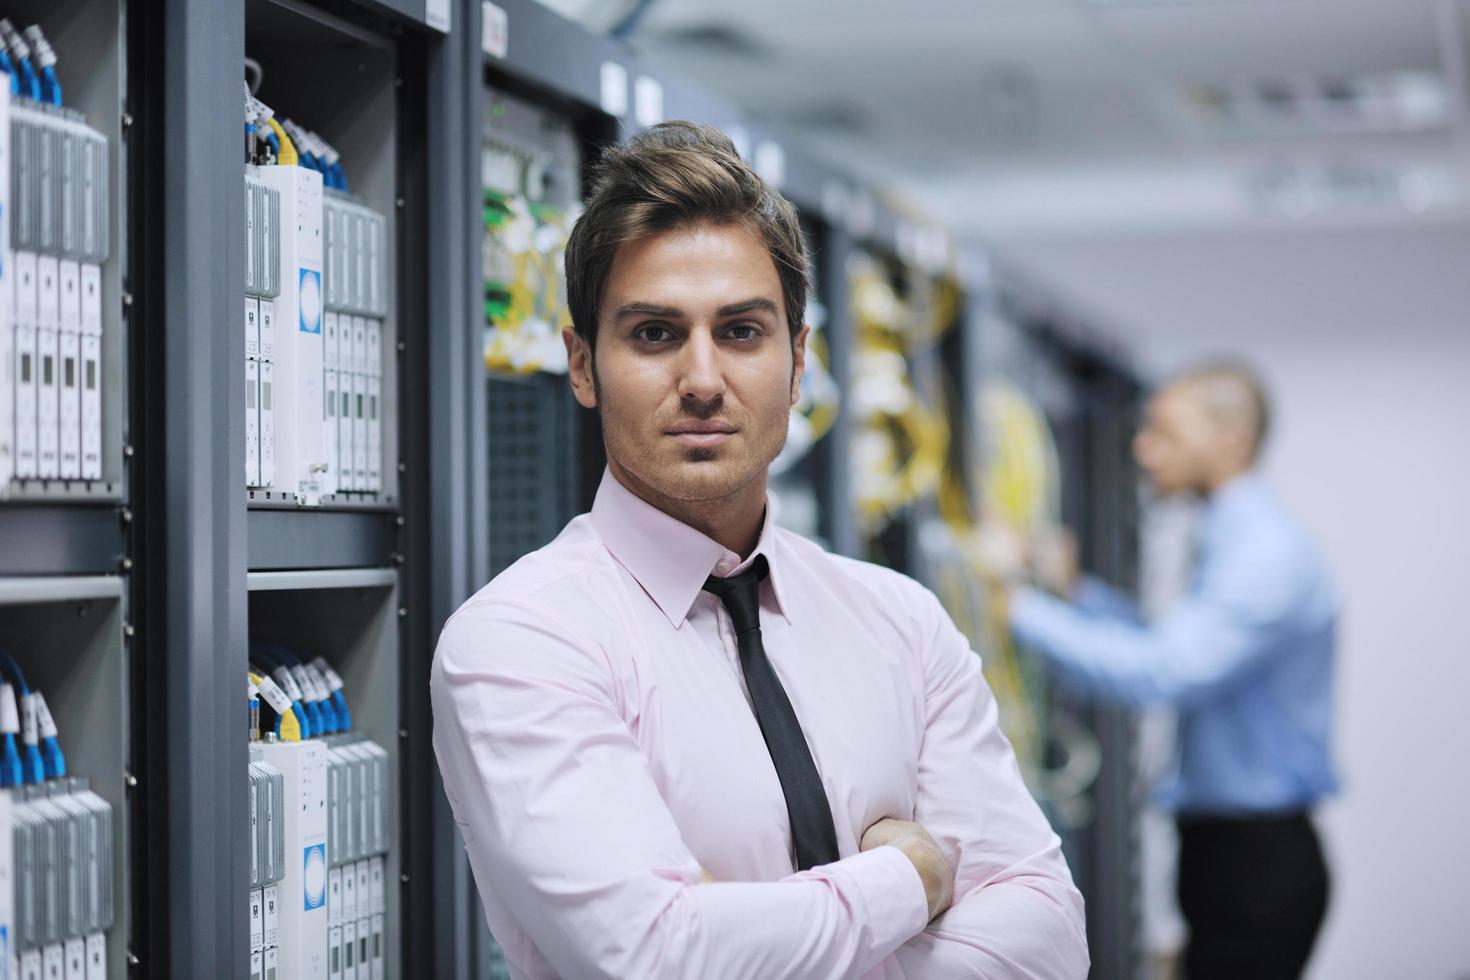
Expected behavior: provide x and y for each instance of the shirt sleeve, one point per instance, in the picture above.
(1016, 912)
(1098, 598)
(1240, 610)
(562, 818)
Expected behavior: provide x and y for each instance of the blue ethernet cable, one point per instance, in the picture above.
(325, 705)
(45, 59)
(312, 706)
(265, 661)
(51, 754)
(326, 718)
(326, 711)
(329, 706)
(12, 772)
(334, 684)
(309, 709)
(50, 85)
(34, 767)
(21, 55)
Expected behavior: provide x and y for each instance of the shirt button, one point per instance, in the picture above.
(722, 566)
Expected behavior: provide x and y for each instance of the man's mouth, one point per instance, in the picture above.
(701, 434)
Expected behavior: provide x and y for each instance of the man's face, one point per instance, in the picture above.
(695, 369)
(1176, 442)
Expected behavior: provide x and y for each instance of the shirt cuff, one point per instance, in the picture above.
(893, 892)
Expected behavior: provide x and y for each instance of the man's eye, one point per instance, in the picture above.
(744, 331)
(653, 333)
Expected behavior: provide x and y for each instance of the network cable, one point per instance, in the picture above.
(12, 770)
(334, 684)
(34, 767)
(20, 53)
(265, 657)
(312, 687)
(282, 721)
(46, 60)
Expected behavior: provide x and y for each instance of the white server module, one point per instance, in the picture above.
(262, 286)
(355, 290)
(302, 908)
(69, 414)
(91, 372)
(48, 354)
(7, 881)
(301, 467)
(7, 306)
(24, 286)
(56, 210)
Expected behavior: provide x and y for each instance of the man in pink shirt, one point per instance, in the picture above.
(682, 742)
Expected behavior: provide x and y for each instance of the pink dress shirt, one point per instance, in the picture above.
(598, 749)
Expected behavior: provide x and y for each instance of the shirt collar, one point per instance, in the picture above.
(667, 557)
(1236, 493)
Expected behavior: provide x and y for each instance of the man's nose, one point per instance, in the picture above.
(701, 374)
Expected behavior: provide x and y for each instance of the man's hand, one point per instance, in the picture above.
(1004, 553)
(923, 852)
(1054, 561)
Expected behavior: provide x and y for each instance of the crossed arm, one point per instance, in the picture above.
(611, 890)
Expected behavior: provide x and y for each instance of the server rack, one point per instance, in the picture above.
(1091, 400)
(142, 585)
(1107, 523)
(67, 558)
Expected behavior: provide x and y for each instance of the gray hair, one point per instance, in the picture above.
(1231, 392)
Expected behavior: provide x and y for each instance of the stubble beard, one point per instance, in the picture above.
(627, 452)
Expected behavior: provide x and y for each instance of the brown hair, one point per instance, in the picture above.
(677, 174)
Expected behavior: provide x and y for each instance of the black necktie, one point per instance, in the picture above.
(806, 801)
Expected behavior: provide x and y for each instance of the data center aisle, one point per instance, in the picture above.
(218, 601)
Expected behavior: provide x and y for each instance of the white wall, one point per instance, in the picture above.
(1363, 338)
(1371, 452)
(1373, 455)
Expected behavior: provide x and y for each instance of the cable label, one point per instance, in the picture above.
(288, 683)
(44, 722)
(28, 720)
(323, 692)
(274, 696)
(334, 681)
(9, 716)
(308, 681)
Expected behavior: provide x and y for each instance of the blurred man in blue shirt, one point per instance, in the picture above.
(1247, 659)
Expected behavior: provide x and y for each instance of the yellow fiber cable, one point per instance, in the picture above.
(290, 724)
(287, 157)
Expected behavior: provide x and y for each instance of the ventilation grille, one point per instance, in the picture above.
(533, 470)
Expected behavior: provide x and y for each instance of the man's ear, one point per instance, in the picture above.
(579, 367)
(798, 362)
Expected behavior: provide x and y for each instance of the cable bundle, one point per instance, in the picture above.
(303, 699)
(38, 756)
(902, 444)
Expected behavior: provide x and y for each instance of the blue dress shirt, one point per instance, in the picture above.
(1246, 657)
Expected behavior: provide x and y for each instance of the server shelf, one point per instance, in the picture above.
(50, 539)
(63, 429)
(293, 539)
(328, 390)
(349, 618)
(63, 640)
